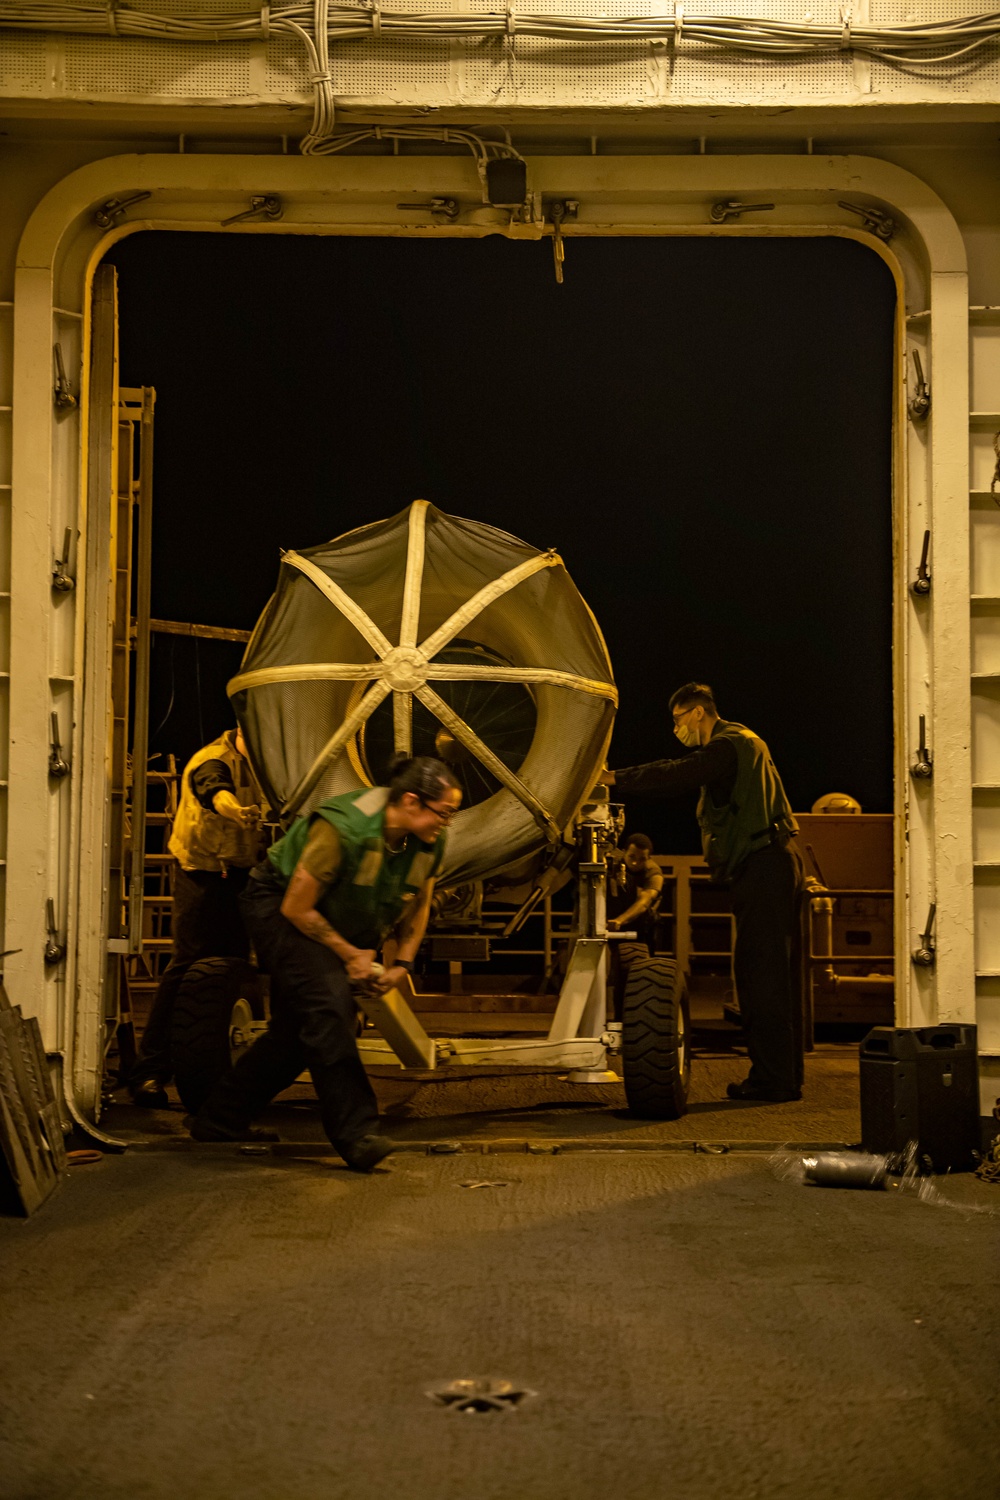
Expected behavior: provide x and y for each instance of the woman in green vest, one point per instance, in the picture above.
(358, 868)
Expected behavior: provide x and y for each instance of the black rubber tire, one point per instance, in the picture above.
(656, 1032)
(200, 1032)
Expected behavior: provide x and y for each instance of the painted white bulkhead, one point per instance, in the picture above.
(947, 644)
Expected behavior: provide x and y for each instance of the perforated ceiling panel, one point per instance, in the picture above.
(705, 73)
(142, 69)
(193, 70)
(532, 70)
(973, 74)
(401, 71)
(495, 71)
(287, 70)
(22, 64)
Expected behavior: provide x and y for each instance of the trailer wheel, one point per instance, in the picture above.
(217, 1000)
(656, 1030)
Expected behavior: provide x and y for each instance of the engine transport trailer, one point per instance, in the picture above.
(430, 634)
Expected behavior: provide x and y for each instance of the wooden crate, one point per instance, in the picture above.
(32, 1151)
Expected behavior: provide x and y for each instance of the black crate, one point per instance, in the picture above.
(920, 1083)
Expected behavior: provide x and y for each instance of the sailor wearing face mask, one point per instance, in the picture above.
(747, 834)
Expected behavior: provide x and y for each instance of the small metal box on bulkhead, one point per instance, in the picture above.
(920, 1084)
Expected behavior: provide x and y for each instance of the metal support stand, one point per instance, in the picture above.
(578, 1038)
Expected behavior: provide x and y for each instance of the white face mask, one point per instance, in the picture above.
(687, 734)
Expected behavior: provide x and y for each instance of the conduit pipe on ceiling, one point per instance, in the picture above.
(932, 45)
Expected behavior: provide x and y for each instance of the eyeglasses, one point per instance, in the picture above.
(444, 813)
(684, 712)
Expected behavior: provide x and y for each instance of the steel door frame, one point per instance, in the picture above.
(655, 195)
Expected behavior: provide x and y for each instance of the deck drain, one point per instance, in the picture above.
(480, 1395)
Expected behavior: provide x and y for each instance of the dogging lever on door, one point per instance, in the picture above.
(923, 954)
(923, 765)
(921, 585)
(262, 206)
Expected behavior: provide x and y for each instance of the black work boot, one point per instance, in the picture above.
(149, 1094)
(755, 1091)
(364, 1154)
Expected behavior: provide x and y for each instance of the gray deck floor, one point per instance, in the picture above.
(541, 1107)
(211, 1325)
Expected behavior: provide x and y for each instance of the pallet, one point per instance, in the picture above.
(32, 1151)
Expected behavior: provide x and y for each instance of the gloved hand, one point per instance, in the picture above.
(227, 806)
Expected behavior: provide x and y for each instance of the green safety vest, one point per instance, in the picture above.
(757, 814)
(373, 883)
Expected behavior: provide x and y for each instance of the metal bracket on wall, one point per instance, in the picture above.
(731, 208)
(921, 585)
(919, 403)
(61, 580)
(924, 954)
(108, 213)
(880, 224)
(262, 206)
(438, 208)
(923, 765)
(61, 394)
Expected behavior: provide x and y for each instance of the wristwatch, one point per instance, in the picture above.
(404, 963)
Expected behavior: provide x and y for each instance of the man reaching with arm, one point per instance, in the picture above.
(747, 835)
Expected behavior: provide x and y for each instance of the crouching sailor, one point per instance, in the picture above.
(361, 866)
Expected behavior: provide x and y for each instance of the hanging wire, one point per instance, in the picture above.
(170, 705)
(197, 686)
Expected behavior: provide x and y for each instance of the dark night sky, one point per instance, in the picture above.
(700, 426)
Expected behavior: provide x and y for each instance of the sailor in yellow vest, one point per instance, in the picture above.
(356, 873)
(747, 833)
(215, 841)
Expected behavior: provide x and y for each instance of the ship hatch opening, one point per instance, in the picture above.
(701, 426)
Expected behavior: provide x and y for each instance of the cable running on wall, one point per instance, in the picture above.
(934, 45)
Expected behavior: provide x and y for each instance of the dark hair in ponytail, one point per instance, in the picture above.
(422, 775)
